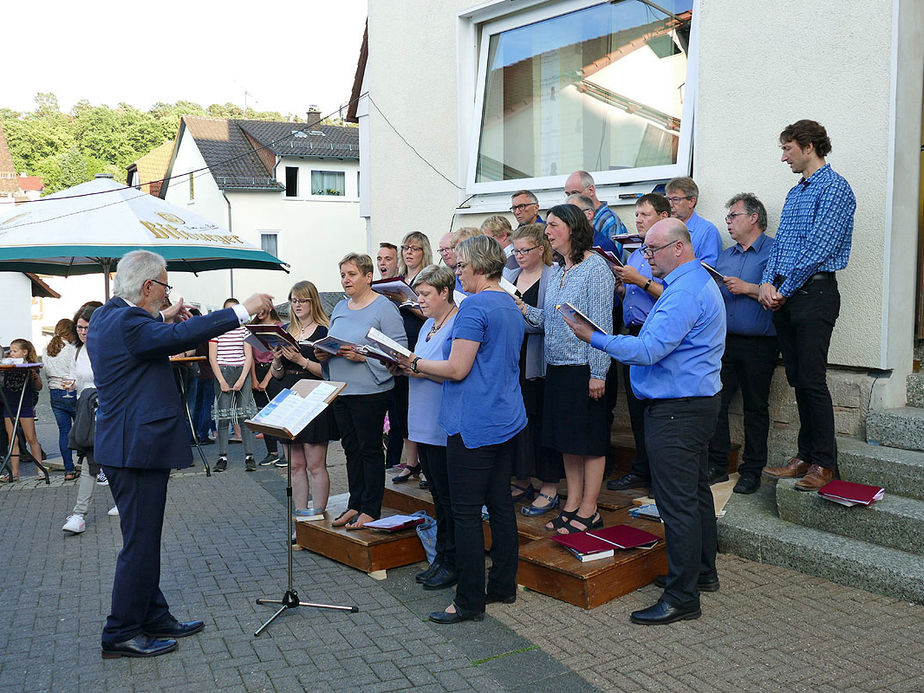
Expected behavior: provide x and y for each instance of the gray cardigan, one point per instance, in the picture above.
(535, 335)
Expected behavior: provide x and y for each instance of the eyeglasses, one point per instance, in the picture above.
(83, 328)
(299, 301)
(649, 253)
(412, 248)
(523, 251)
(677, 198)
(731, 217)
(520, 208)
(461, 266)
(167, 287)
(443, 251)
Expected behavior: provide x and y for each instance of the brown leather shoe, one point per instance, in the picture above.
(793, 469)
(815, 478)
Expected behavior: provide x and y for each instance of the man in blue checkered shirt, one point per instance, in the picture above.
(799, 285)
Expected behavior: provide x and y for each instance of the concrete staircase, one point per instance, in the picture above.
(879, 548)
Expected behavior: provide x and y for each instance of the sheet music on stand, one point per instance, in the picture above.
(289, 412)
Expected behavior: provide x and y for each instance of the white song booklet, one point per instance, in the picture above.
(291, 411)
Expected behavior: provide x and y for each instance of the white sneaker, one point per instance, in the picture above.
(113, 511)
(75, 524)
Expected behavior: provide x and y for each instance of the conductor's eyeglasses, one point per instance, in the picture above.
(166, 286)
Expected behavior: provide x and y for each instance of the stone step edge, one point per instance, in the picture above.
(863, 524)
(864, 566)
(899, 471)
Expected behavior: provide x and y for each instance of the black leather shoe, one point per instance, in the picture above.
(425, 575)
(140, 646)
(747, 484)
(177, 629)
(701, 585)
(491, 598)
(717, 475)
(441, 579)
(663, 613)
(445, 618)
(627, 481)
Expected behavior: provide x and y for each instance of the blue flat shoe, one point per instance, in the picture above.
(534, 510)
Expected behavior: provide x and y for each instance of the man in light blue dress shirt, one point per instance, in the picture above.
(751, 347)
(683, 194)
(675, 365)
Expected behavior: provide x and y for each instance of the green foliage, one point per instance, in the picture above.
(70, 148)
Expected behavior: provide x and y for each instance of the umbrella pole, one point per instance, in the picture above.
(106, 264)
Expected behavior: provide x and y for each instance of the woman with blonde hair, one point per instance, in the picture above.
(308, 452)
(58, 360)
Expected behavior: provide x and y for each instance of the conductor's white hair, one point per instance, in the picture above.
(133, 270)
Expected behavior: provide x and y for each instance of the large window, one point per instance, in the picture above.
(602, 88)
(328, 183)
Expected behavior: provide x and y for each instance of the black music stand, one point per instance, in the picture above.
(178, 362)
(7, 408)
(290, 598)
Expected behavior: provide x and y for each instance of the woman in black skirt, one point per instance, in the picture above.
(308, 453)
(574, 418)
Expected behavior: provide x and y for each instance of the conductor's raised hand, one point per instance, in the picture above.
(176, 313)
(258, 303)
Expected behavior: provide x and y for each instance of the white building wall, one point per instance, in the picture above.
(855, 67)
(16, 289)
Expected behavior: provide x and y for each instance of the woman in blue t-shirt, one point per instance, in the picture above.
(481, 411)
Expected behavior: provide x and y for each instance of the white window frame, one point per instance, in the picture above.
(475, 30)
(325, 196)
(271, 232)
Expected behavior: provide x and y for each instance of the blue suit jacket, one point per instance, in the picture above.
(140, 422)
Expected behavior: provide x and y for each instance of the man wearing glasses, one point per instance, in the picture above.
(675, 364)
(525, 207)
(750, 343)
(800, 287)
(683, 195)
(605, 221)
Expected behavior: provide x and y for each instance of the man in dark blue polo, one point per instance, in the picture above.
(750, 343)
(800, 287)
(675, 364)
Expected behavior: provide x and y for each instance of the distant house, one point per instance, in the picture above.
(147, 173)
(290, 188)
(15, 187)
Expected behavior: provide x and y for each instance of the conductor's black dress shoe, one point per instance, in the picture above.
(140, 646)
(176, 629)
(663, 613)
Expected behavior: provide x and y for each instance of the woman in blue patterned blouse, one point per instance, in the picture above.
(574, 420)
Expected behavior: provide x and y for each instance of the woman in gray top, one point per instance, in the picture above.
(360, 408)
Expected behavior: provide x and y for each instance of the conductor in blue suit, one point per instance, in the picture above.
(141, 434)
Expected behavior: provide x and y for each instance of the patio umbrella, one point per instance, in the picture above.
(87, 228)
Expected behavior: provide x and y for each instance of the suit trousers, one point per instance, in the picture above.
(433, 465)
(677, 433)
(804, 325)
(360, 419)
(137, 602)
(481, 476)
(748, 362)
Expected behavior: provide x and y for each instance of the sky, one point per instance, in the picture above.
(287, 55)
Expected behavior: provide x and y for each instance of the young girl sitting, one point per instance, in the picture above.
(12, 387)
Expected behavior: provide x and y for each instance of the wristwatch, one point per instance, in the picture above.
(414, 365)
(647, 284)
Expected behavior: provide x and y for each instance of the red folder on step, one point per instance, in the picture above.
(850, 493)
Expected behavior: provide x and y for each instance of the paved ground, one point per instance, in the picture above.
(767, 629)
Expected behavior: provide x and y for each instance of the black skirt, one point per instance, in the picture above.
(572, 422)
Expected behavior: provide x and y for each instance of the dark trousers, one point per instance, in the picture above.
(397, 421)
(433, 465)
(640, 466)
(804, 326)
(748, 362)
(481, 476)
(262, 399)
(137, 602)
(360, 419)
(611, 396)
(202, 414)
(677, 433)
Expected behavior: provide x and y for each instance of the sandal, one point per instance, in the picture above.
(562, 520)
(339, 521)
(8, 479)
(526, 493)
(589, 523)
(70, 476)
(534, 510)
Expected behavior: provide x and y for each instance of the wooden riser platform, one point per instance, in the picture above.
(364, 549)
(547, 567)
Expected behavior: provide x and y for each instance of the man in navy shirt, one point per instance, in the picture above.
(800, 287)
(675, 364)
(605, 220)
(683, 194)
(750, 343)
(638, 290)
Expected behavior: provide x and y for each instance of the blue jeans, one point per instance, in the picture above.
(65, 409)
(202, 411)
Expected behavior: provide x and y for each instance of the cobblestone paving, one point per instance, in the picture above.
(767, 629)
